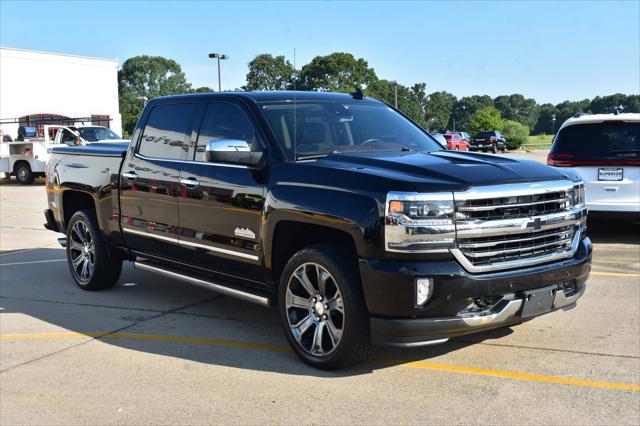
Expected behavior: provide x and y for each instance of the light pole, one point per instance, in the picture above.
(218, 56)
(553, 124)
(395, 93)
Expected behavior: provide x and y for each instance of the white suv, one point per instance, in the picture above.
(604, 149)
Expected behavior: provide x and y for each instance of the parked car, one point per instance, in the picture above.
(605, 150)
(345, 216)
(455, 142)
(488, 141)
(440, 139)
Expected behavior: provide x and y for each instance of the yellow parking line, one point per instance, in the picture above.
(277, 348)
(614, 274)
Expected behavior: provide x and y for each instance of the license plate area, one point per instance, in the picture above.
(610, 174)
(537, 302)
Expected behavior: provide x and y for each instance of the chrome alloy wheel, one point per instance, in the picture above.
(314, 309)
(82, 251)
(22, 174)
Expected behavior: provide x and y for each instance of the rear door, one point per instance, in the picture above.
(150, 181)
(221, 204)
(607, 157)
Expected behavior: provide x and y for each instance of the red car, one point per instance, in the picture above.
(455, 142)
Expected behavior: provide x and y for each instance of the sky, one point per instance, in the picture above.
(550, 51)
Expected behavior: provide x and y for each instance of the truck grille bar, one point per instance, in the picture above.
(512, 226)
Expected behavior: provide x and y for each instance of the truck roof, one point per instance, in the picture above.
(274, 96)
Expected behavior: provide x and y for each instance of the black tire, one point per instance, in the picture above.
(354, 346)
(103, 266)
(23, 173)
(494, 149)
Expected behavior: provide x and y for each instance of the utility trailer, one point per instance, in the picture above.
(26, 159)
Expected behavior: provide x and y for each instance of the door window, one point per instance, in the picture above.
(166, 133)
(224, 120)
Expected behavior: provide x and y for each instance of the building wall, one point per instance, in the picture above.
(39, 82)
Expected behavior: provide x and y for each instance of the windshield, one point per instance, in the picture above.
(484, 135)
(315, 129)
(93, 134)
(615, 141)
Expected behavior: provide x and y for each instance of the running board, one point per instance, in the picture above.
(207, 283)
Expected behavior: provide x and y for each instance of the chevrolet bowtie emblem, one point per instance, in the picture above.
(535, 224)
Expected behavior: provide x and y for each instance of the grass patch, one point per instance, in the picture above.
(538, 142)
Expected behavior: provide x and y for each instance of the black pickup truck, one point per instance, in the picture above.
(336, 209)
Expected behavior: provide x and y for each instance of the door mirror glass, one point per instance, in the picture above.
(232, 151)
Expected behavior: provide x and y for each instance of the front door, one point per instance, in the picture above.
(221, 204)
(150, 181)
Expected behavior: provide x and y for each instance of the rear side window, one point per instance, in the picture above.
(612, 141)
(166, 133)
(224, 120)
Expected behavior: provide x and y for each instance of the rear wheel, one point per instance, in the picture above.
(24, 175)
(494, 149)
(92, 263)
(322, 309)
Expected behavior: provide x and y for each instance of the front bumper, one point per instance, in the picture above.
(428, 331)
(389, 290)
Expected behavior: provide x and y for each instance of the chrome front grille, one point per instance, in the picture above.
(515, 206)
(511, 226)
(502, 248)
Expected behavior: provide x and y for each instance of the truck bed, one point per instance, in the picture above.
(103, 149)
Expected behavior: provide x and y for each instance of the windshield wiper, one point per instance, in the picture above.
(311, 157)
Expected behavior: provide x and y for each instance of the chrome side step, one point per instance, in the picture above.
(219, 288)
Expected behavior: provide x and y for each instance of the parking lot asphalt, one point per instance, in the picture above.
(156, 351)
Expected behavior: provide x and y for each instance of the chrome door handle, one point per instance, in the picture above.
(130, 175)
(190, 182)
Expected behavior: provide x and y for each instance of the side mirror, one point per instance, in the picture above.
(232, 151)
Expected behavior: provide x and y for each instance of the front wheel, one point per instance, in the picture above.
(322, 309)
(92, 263)
(494, 149)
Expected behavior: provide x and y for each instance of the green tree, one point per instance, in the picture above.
(150, 77)
(609, 104)
(568, 109)
(267, 72)
(485, 119)
(337, 72)
(545, 124)
(411, 100)
(203, 89)
(515, 107)
(515, 133)
(439, 107)
(466, 107)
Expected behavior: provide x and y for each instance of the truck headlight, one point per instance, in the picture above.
(577, 195)
(419, 223)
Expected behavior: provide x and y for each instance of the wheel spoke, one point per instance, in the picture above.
(323, 276)
(334, 333)
(75, 245)
(301, 276)
(77, 260)
(85, 269)
(302, 326)
(335, 304)
(76, 230)
(316, 346)
(294, 301)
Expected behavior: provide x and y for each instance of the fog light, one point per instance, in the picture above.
(424, 290)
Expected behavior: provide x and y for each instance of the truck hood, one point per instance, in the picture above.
(457, 169)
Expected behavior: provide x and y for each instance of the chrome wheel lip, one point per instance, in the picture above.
(317, 331)
(82, 253)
